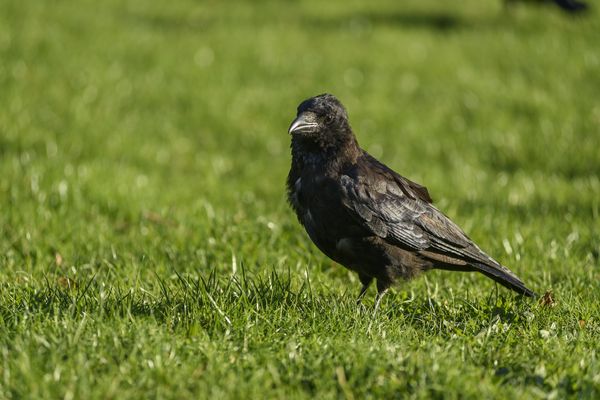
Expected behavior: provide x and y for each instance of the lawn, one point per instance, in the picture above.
(146, 247)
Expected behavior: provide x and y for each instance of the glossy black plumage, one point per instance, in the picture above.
(367, 217)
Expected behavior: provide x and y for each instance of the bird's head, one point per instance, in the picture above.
(322, 121)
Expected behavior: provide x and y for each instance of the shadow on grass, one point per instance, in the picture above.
(436, 21)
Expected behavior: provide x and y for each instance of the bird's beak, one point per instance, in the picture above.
(303, 123)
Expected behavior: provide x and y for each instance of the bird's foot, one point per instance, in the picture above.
(378, 301)
(378, 298)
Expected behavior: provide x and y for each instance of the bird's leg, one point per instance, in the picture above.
(378, 300)
(382, 288)
(366, 282)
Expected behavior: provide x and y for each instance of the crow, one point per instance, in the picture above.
(367, 217)
(570, 6)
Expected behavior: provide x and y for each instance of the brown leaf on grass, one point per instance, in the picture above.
(66, 282)
(547, 300)
(582, 323)
(58, 259)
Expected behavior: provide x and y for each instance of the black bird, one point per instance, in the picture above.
(570, 6)
(367, 217)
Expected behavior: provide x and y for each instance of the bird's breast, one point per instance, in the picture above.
(321, 211)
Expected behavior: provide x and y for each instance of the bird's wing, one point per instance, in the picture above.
(382, 208)
(380, 203)
(408, 187)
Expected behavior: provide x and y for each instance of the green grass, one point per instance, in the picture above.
(146, 248)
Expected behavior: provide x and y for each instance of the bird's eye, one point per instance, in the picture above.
(328, 119)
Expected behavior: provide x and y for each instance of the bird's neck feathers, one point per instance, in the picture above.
(325, 150)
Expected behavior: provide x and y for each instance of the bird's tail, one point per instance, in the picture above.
(505, 277)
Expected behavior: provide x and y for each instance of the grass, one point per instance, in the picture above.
(146, 249)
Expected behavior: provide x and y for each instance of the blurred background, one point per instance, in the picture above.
(144, 139)
(125, 125)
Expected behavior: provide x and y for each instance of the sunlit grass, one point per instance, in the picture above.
(146, 249)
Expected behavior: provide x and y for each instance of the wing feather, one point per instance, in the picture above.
(389, 209)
